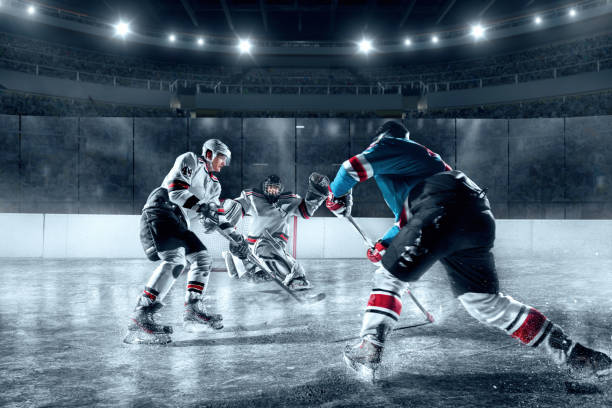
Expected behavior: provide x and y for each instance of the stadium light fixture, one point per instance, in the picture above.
(538, 20)
(478, 31)
(31, 10)
(435, 39)
(572, 12)
(122, 29)
(200, 41)
(365, 45)
(407, 42)
(244, 46)
(172, 38)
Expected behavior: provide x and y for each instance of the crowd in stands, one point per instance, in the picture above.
(56, 60)
(14, 103)
(593, 104)
(18, 103)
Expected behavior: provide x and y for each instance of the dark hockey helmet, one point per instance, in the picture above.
(394, 129)
(272, 187)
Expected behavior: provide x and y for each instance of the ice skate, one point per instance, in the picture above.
(143, 329)
(364, 358)
(196, 318)
(588, 364)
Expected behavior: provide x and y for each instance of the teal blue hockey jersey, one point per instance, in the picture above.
(397, 165)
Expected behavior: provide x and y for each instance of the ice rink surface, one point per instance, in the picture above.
(62, 324)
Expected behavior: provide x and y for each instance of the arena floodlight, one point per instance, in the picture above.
(31, 10)
(407, 42)
(572, 12)
(478, 31)
(365, 45)
(200, 41)
(538, 20)
(172, 38)
(122, 29)
(435, 39)
(244, 45)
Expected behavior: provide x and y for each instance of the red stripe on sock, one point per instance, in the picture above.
(386, 302)
(530, 328)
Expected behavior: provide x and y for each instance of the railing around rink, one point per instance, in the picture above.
(399, 85)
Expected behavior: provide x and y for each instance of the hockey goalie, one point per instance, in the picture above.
(268, 235)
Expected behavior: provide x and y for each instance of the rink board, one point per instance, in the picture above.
(116, 236)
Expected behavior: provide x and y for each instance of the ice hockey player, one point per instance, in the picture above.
(272, 210)
(188, 194)
(440, 215)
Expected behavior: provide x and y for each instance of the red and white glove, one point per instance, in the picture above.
(376, 253)
(340, 206)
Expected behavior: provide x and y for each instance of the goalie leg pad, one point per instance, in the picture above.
(384, 307)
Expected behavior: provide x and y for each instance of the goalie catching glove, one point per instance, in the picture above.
(340, 206)
(376, 253)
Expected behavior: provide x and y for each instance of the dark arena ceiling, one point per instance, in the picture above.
(303, 23)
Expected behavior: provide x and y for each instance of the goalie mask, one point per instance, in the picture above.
(392, 128)
(215, 146)
(272, 188)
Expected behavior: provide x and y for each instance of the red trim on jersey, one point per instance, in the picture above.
(221, 210)
(177, 185)
(447, 167)
(198, 287)
(303, 211)
(150, 295)
(530, 328)
(386, 302)
(252, 240)
(361, 171)
(403, 217)
(253, 193)
(284, 237)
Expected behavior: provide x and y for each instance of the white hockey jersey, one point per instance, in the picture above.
(190, 182)
(273, 217)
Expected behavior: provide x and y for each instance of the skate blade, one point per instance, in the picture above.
(363, 372)
(201, 328)
(133, 337)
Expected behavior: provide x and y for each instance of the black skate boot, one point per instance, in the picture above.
(143, 329)
(587, 363)
(364, 358)
(196, 318)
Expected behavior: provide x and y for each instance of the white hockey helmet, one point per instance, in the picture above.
(216, 146)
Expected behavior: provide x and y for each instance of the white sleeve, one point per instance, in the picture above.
(178, 181)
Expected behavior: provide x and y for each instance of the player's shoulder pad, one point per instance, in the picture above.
(253, 192)
(287, 195)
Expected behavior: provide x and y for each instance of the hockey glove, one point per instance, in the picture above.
(209, 216)
(240, 248)
(376, 253)
(340, 206)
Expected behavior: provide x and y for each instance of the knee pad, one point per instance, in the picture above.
(522, 322)
(201, 264)
(163, 277)
(384, 306)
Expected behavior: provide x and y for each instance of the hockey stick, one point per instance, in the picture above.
(409, 326)
(368, 242)
(255, 259)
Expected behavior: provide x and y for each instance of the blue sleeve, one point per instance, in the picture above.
(389, 235)
(384, 157)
